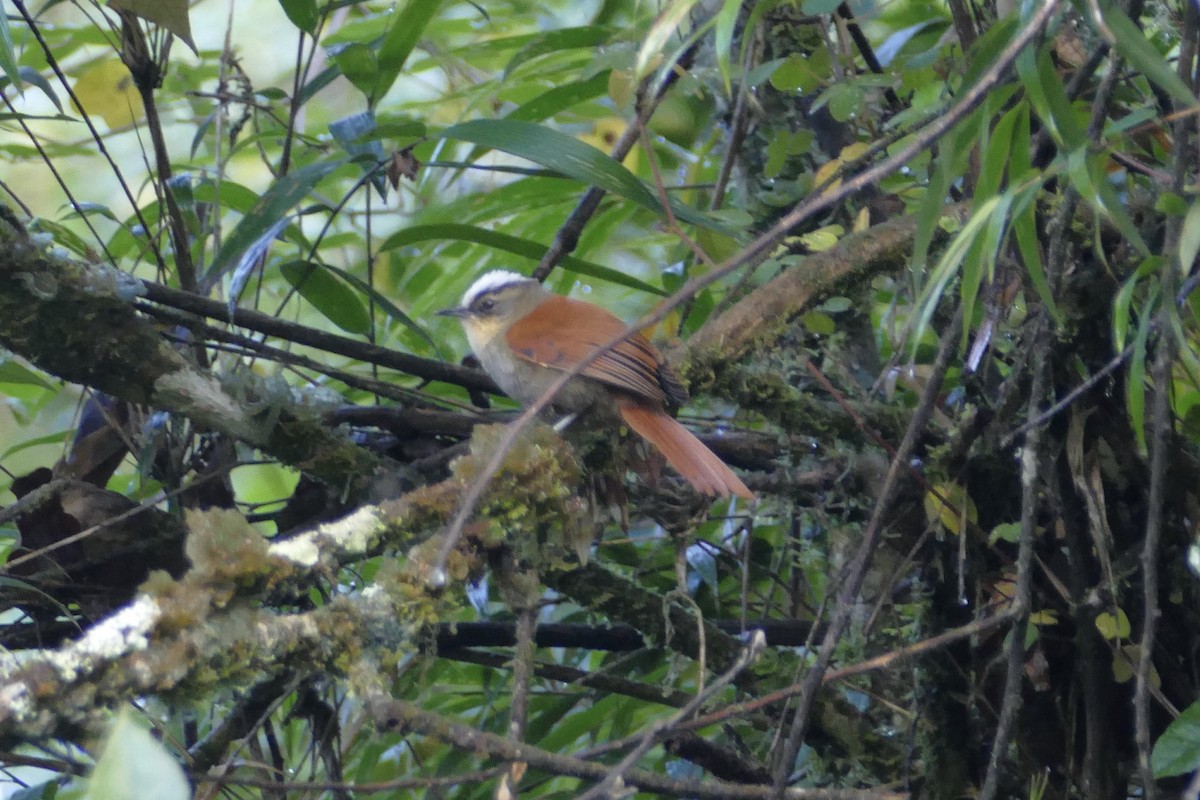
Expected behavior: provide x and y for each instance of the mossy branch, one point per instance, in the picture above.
(77, 321)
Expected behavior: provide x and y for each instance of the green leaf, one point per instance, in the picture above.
(334, 299)
(131, 762)
(951, 163)
(1005, 531)
(302, 13)
(169, 14)
(8, 57)
(269, 210)
(399, 42)
(665, 27)
(1113, 625)
(381, 300)
(575, 159)
(1088, 173)
(589, 36)
(57, 438)
(1135, 387)
(358, 64)
(950, 262)
(1124, 298)
(1131, 44)
(1189, 239)
(726, 21)
(34, 78)
(511, 244)
(1049, 98)
(1177, 751)
(13, 372)
(552, 101)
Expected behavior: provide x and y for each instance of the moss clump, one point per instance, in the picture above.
(227, 552)
(532, 506)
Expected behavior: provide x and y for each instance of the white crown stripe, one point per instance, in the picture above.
(490, 282)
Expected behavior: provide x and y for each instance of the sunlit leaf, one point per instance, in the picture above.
(106, 90)
(16, 373)
(1113, 625)
(664, 28)
(726, 20)
(949, 505)
(1124, 665)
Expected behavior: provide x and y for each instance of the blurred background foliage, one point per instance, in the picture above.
(351, 167)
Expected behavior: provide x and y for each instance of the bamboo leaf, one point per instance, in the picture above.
(328, 295)
(589, 37)
(399, 42)
(302, 13)
(574, 159)
(1132, 45)
(511, 244)
(270, 208)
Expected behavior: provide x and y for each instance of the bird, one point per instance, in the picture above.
(525, 337)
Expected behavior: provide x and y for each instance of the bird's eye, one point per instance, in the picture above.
(486, 305)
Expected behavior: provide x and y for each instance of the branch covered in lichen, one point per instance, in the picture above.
(77, 321)
(184, 637)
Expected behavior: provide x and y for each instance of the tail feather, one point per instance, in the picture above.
(696, 463)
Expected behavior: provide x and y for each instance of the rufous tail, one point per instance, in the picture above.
(698, 465)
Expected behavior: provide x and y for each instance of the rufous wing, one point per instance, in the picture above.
(561, 332)
(700, 466)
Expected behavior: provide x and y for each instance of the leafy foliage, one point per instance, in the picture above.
(927, 268)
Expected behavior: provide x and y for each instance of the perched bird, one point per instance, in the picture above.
(525, 337)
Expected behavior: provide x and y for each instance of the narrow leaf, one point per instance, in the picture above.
(575, 159)
(399, 42)
(511, 244)
(334, 299)
(1135, 387)
(270, 208)
(8, 57)
(590, 37)
(1133, 46)
(381, 300)
(723, 39)
(666, 26)
(1189, 239)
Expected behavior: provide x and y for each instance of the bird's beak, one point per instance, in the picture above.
(456, 311)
